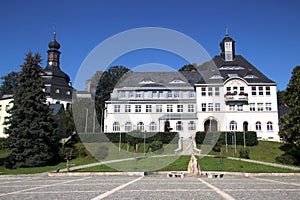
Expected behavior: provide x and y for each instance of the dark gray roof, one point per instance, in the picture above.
(218, 71)
(153, 80)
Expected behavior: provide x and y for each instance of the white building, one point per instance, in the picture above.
(5, 105)
(226, 94)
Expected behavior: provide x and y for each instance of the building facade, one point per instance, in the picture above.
(5, 105)
(225, 94)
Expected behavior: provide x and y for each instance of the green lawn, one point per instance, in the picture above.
(181, 163)
(34, 170)
(264, 151)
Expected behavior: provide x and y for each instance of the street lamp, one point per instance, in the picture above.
(144, 143)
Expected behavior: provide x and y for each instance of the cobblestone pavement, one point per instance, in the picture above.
(148, 187)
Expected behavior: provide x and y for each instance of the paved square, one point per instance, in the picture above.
(148, 187)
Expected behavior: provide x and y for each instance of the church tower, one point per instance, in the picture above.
(53, 53)
(227, 48)
(58, 86)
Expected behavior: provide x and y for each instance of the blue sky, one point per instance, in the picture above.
(266, 32)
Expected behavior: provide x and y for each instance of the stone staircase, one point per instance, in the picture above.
(187, 147)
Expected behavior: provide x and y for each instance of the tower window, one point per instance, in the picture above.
(57, 91)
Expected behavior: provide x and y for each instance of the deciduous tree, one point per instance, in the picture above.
(290, 122)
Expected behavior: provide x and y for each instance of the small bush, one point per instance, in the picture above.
(79, 150)
(286, 159)
(156, 146)
(244, 153)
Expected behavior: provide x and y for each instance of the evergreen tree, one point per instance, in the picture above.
(290, 123)
(32, 125)
(10, 82)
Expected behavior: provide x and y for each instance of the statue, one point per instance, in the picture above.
(194, 167)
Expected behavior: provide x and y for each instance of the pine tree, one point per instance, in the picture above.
(9, 83)
(290, 122)
(32, 125)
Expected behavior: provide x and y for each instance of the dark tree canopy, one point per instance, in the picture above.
(106, 85)
(290, 122)
(281, 97)
(188, 67)
(32, 126)
(9, 83)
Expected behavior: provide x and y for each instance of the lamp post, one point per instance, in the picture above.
(120, 139)
(86, 120)
(144, 143)
(94, 120)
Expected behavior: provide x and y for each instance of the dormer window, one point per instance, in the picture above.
(177, 81)
(216, 77)
(146, 82)
(250, 76)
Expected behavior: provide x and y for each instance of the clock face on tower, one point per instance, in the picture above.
(228, 46)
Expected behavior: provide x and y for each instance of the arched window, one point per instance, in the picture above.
(233, 126)
(116, 126)
(269, 126)
(191, 126)
(153, 126)
(128, 126)
(140, 126)
(179, 126)
(258, 126)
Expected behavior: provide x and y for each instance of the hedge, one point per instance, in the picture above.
(251, 138)
(133, 137)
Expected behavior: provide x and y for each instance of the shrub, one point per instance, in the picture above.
(251, 138)
(244, 153)
(286, 159)
(79, 150)
(156, 146)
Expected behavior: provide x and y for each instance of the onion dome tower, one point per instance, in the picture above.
(58, 86)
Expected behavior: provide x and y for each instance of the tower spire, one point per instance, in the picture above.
(54, 32)
(226, 31)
